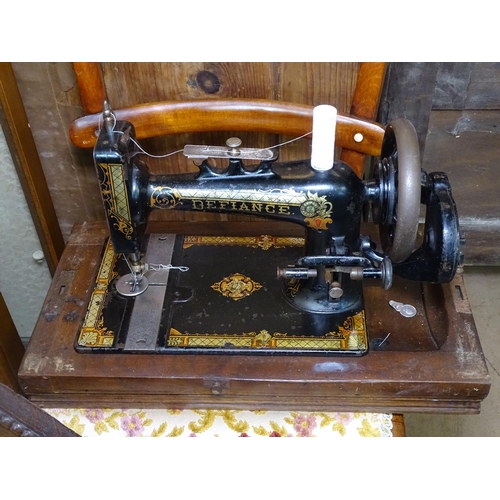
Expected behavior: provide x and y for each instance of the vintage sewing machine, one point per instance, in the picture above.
(172, 294)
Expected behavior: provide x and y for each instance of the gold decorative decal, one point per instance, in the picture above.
(114, 194)
(350, 337)
(316, 211)
(283, 202)
(264, 241)
(164, 197)
(237, 286)
(316, 206)
(354, 331)
(293, 286)
(318, 223)
(93, 332)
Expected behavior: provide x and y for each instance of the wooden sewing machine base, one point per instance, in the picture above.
(432, 362)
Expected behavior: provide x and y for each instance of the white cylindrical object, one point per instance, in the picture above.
(323, 137)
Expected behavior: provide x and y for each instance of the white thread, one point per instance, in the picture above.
(154, 156)
(160, 267)
(288, 142)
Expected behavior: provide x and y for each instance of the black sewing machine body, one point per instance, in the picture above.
(171, 294)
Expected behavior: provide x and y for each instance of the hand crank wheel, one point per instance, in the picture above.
(402, 180)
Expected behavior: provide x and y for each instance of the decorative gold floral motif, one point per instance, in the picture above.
(263, 338)
(354, 330)
(316, 211)
(316, 206)
(237, 286)
(318, 223)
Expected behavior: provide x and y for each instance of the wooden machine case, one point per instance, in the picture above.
(449, 377)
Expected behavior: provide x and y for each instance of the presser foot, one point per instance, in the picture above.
(129, 286)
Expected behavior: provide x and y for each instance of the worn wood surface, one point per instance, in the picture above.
(452, 378)
(398, 425)
(18, 416)
(22, 147)
(408, 93)
(465, 145)
(484, 90)
(452, 85)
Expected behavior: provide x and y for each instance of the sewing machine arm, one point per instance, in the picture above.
(328, 204)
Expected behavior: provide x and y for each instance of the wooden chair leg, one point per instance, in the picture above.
(365, 105)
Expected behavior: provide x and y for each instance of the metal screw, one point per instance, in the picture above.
(358, 137)
(335, 291)
(234, 143)
(216, 388)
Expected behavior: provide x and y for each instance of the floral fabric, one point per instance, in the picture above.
(222, 423)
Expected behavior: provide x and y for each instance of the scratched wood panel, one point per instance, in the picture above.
(52, 101)
(484, 87)
(465, 145)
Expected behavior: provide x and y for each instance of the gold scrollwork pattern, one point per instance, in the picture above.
(164, 197)
(93, 333)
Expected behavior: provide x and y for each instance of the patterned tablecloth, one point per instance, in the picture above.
(221, 423)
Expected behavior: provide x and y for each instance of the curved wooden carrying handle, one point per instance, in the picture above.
(251, 115)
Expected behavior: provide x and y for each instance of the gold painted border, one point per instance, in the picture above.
(351, 336)
(93, 333)
(264, 241)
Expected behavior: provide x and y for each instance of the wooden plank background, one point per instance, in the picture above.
(456, 110)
